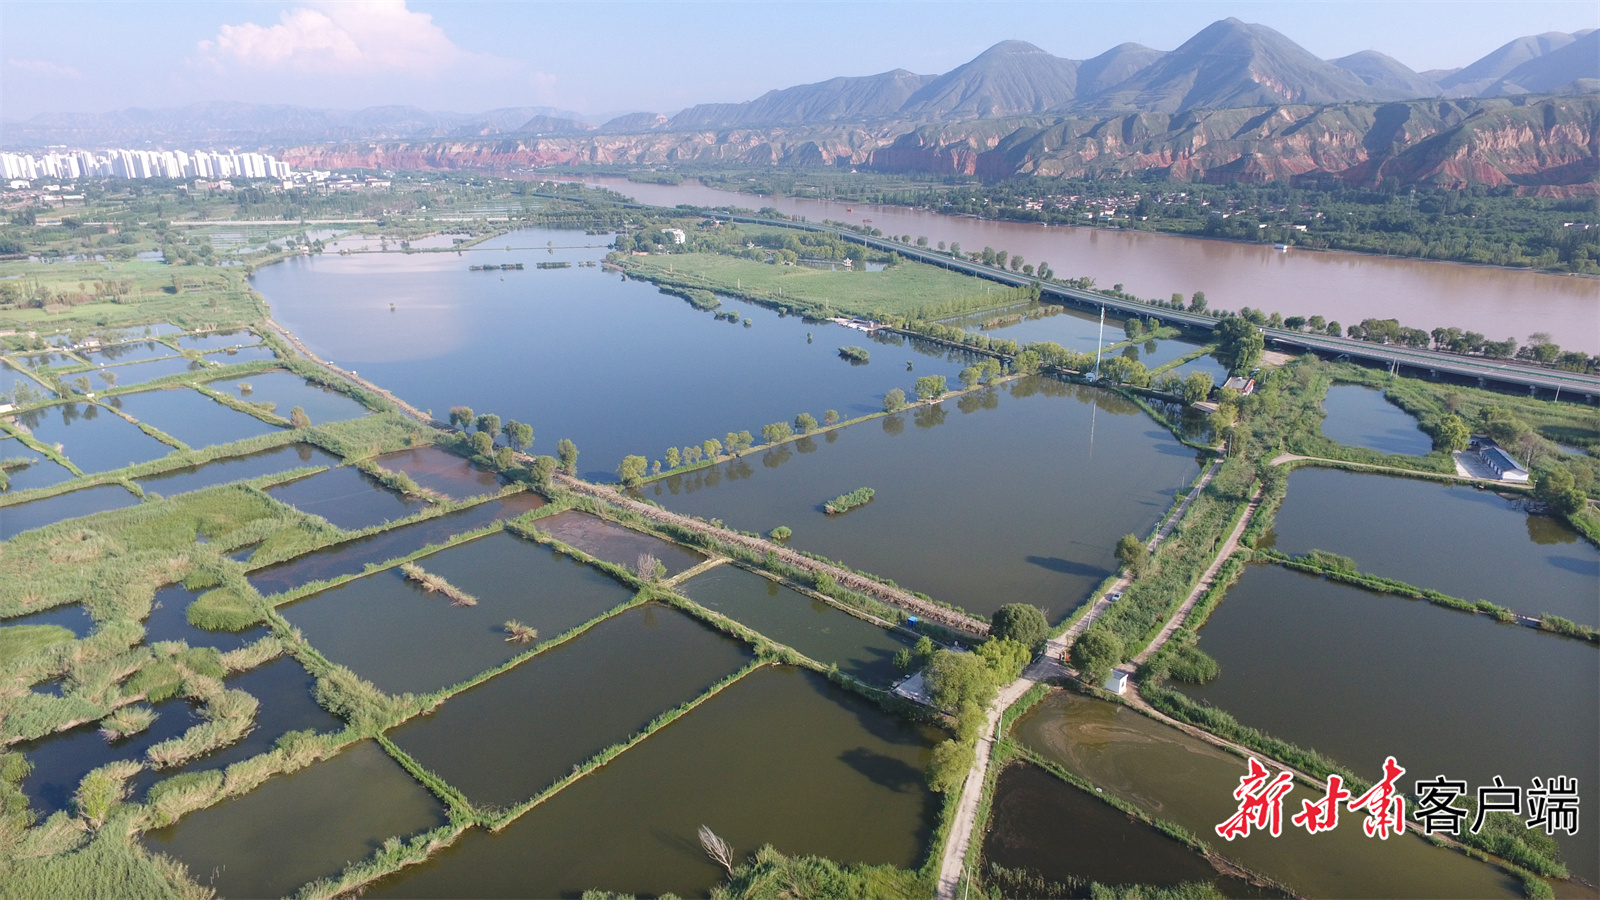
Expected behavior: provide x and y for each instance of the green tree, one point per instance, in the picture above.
(738, 441)
(1132, 553)
(805, 423)
(1240, 345)
(489, 424)
(461, 416)
(505, 459)
(970, 376)
(1557, 486)
(298, 418)
(930, 387)
(482, 443)
(831, 417)
(948, 766)
(632, 470)
(518, 434)
(894, 401)
(541, 469)
(777, 431)
(1005, 658)
(956, 679)
(673, 460)
(1453, 433)
(1196, 387)
(711, 448)
(567, 452)
(1027, 362)
(1197, 303)
(1020, 622)
(1095, 652)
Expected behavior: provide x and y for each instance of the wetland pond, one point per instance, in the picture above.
(1359, 416)
(782, 757)
(439, 470)
(238, 468)
(192, 417)
(393, 632)
(21, 517)
(614, 543)
(351, 557)
(1043, 825)
(1440, 690)
(1172, 776)
(460, 337)
(41, 472)
(814, 627)
(1473, 544)
(61, 760)
(286, 390)
(301, 826)
(93, 438)
(503, 741)
(347, 497)
(1017, 493)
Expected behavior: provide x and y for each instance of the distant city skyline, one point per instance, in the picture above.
(609, 57)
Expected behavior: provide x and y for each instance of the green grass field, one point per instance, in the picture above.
(904, 290)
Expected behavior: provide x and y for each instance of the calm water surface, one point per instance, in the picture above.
(1017, 494)
(351, 557)
(238, 468)
(442, 471)
(1344, 286)
(782, 757)
(300, 826)
(95, 439)
(508, 738)
(1442, 691)
(61, 760)
(73, 617)
(347, 497)
(1456, 539)
(287, 390)
(1173, 776)
(243, 354)
(823, 632)
(38, 513)
(192, 417)
(457, 337)
(1044, 825)
(169, 621)
(41, 472)
(1360, 417)
(131, 352)
(615, 544)
(287, 703)
(134, 373)
(10, 378)
(216, 341)
(388, 629)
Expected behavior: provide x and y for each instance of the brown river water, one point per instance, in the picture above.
(1346, 287)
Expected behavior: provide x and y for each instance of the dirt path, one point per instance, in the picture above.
(1206, 580)
(1282, 458)
(843, 577)
(305, 351)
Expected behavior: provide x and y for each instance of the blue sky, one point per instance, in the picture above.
(601, 57)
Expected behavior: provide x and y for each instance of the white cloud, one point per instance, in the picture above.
(338, 37)
(45, 68)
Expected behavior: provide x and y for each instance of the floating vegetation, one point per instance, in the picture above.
(846, 502)
(520, 633)
(510, 267)
(553, 265)
(129, 720)
(434, 584)
(854, 354)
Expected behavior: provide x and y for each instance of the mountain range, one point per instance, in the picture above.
(1235, 102)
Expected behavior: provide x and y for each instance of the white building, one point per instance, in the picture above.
(175, 164)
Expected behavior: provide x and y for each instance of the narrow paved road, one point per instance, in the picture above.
(1204, 584)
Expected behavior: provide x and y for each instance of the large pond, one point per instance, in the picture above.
(94, 439)
(457, 337)
(821, 631)
(124, 374)
(169, 621)
(192, 417)
(300, 826)
(1348, 287)
(391, 631)
(781, 758)
(1016, 494)
(22, 517)
(286, 390)
(61, 760)
(1361, 417)
(503, 741)
(1360, 676)
(238, 468)
(442, 471)
(1052, 830)
(11, 378)
(1456, 539)
(135, 351)
(347, 497)
(615, 544)
(351, 557)
(1183, 780)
